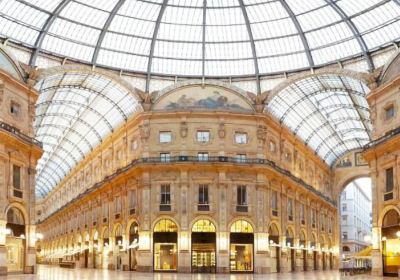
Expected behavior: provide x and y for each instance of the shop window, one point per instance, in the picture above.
(203, 204)
(165, 240)
(240, 138)
(241, 158)
(165, 137)
(203, 136)
(389, 184)
(389, 112)
(241, 246)
(165, 202)
(241, 198)
(202, 156)
(165, 157)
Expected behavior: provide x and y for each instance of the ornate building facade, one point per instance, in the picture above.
(201, 182)
(382, 155)
(19, 153)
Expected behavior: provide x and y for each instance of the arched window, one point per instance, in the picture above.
(203, 225)
(241, 226)
(165, 225)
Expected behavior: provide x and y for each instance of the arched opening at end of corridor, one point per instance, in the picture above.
(355, 224)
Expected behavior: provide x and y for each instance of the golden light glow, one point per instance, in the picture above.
(241, 226)
(203, 226)
(165, 225)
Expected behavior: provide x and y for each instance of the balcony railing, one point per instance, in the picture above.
(388, 196)
(15, 131)
(203, 207)
(387, 136)
(194, 159)
(165, 207)
(242, 208)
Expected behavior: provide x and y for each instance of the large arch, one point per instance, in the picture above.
(76, 109)
(334, 103)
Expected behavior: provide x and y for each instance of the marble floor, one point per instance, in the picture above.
(56, 273)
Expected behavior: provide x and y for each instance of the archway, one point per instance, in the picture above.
(291, 252)
(133, 245)
(165, 244)
(303, 247)
(204, 247)
(15, 240)
(106, 246)
(241, 246)
(118, 245)
(355, 208)
(273, 236)
(390, 243)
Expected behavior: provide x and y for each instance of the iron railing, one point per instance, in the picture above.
(15, 131)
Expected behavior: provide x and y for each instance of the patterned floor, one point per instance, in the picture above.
(56, 273)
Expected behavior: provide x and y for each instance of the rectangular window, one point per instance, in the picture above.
(345, 235)
(15, 109)
(344, 207)
(202, 156)
(105, 211)
(240, 138)
(389, 180)
(165, 194)
(389, 112)
(302, 216)
(203, 136)
(274, 203)
(17, 177)
(241, 198)
(165, 157)
(290, 209)
(118, 205)
(203, 194)
(313, 218)
(134, 145)
(241, 158)
(165, 137)
(272, 147)
(132, 199)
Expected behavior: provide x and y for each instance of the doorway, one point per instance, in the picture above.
(15, 241)
(241, 247)
(133, 245)
(203, 247)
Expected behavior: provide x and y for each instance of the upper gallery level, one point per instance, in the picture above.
(198, 123)
(17, 100)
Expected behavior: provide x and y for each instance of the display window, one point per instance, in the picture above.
(165, 246)
(241, 249)
(203, 247)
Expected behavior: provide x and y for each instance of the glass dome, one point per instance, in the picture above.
(200, 38)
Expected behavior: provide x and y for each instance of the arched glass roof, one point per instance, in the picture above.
(74, 112)
(329, 112)
(203, 38)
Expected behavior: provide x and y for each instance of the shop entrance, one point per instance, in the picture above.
(302, 244)
(273, 234)
(165, 244)
(133, 245)
(390, 242)
(241, 247)
(15, 241)
(203, 247)
(118, 246)
(291, 252)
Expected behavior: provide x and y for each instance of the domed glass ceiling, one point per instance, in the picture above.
(203, 38)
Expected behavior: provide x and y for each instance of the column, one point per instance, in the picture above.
(3, 252)
(284, 255)
(30, 263)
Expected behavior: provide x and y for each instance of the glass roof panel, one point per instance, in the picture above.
(120, 35)
(74, 112)
(326, 112)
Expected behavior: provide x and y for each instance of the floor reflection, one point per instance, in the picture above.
(56, 273)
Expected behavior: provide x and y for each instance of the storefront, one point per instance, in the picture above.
(133, 245)
(313, 248)
(118, 246)
(303, 248)
(95, 249)
(203, 247)
(274, 248)
(15, 241)
(291, 253)
(241, 247)
(165, 246)
(106, 247)
(391, 243)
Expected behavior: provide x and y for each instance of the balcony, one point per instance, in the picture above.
(274, 212)
(388, 196)
(18, 193)
(242, 208)
(165, 207)
(203, 207)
